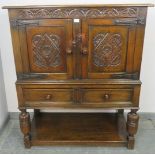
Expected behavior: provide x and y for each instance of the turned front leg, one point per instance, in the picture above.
(132, 126)
(24, 118)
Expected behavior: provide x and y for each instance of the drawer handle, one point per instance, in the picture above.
(69, 51)
(106, 96)
(48, 97)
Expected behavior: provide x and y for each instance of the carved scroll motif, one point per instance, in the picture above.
(107, 49)
(46, 50)
(77, 12)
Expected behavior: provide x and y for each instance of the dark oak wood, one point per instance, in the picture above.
(78, 57)
(74, 128)
(25, 127)
(110, 48)
(46, 48)
(132, 126)
(78, 96)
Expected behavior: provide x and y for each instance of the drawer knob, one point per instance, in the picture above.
(106, 96)
(48, 97)
(69, 51)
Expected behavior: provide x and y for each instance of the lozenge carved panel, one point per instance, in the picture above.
(107, 49)
(46, 50)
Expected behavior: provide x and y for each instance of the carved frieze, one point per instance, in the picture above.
(77, 12)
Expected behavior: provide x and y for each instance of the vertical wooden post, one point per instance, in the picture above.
(36, 112)
(120, 111)
(132, 126)
(25, 127)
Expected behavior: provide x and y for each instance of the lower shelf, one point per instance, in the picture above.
(78, 128)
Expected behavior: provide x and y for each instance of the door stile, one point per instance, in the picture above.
(131, 49)
(23, 48)
(84, 50)
(69, 57)
(76, 48)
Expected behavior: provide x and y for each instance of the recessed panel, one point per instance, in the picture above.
(107, 48)
(46, 49)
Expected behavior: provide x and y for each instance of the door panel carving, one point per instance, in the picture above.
(107, 49)
(46, 49)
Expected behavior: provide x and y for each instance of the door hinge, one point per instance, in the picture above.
(139, 21)
(15, 23)
(133, 76)
(24, 76)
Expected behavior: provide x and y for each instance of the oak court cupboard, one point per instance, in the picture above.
(73, 57)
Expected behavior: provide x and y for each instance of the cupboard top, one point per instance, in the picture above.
(73, 5)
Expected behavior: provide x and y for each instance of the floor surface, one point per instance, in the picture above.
(11, 141)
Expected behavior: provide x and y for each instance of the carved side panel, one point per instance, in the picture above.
(107, 49)
(46, 50)
(77, 12)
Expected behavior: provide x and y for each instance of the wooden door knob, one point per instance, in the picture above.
(48, 97)
(69, 51)
(84, 51)
(79, 37)
(106, 96)
(74, 43)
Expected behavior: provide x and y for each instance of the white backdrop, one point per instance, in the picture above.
(147, 99)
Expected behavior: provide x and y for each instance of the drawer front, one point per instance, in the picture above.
(78, 97)
(58, 96)
(107, 96)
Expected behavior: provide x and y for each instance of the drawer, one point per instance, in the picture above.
(57, 96)
(78, 97)
(103, 96)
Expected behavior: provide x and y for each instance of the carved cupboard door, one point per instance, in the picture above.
(46, 47)
(108, 48)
